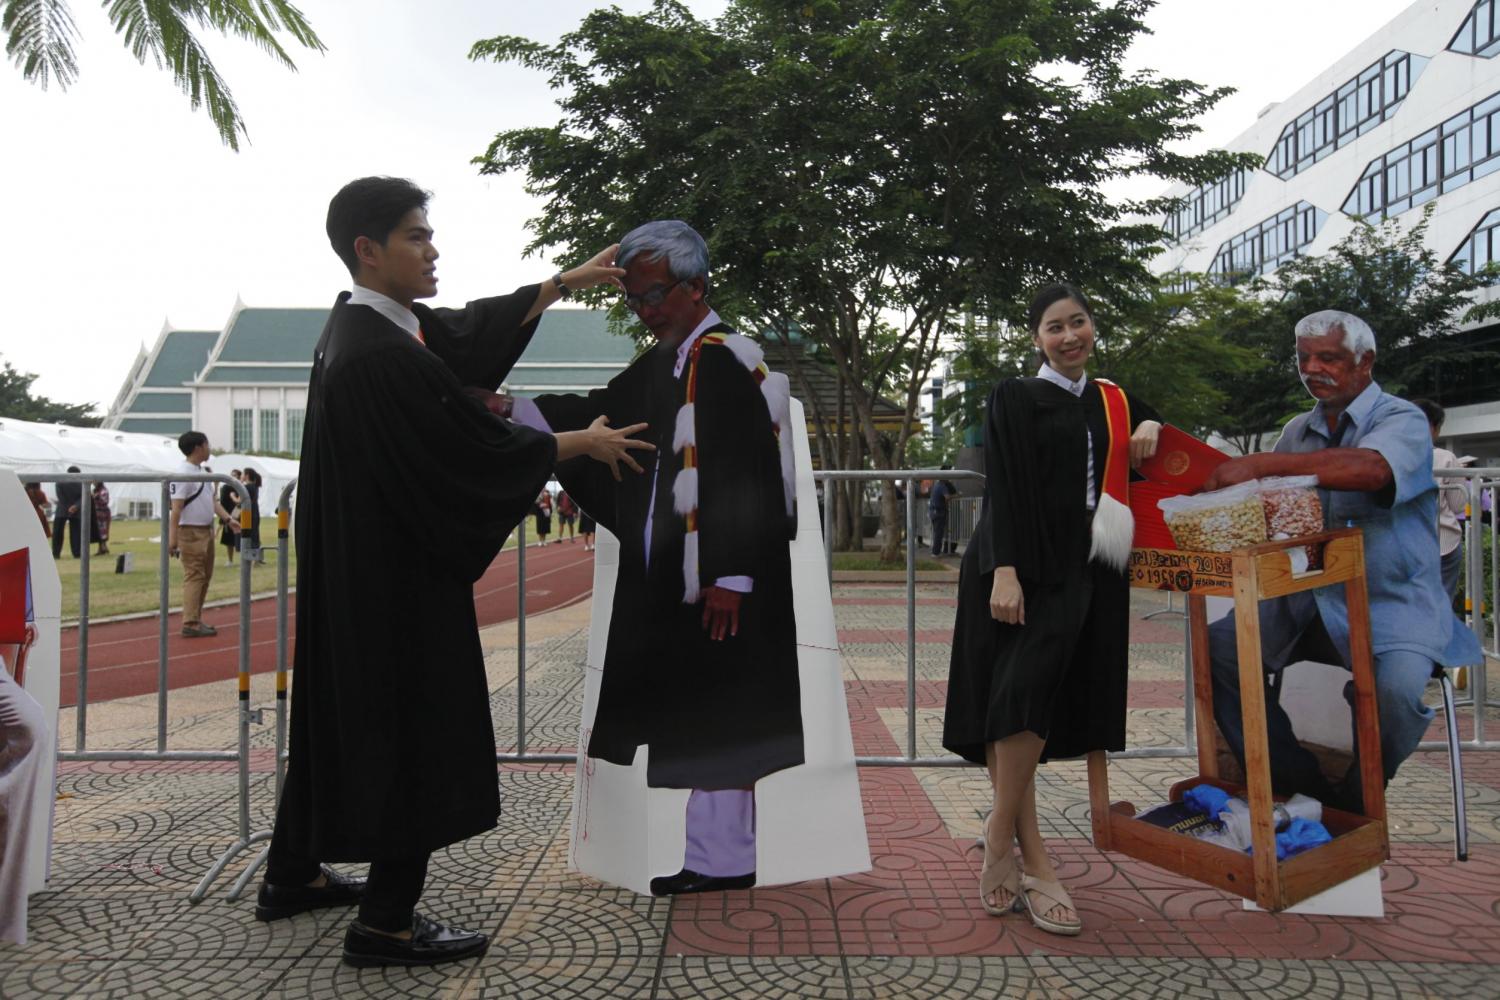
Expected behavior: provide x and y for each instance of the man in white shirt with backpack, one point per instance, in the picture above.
(191, 534)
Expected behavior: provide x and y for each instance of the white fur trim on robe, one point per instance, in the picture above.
(686, 434)
(690, 593)
(685, 492)
(1114, 530)
(746, 350)
(777, 390)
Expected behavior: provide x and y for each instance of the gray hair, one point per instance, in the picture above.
(1358, 336)
(685, 252)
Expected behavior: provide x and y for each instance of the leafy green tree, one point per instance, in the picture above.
(1197, 355)
(1415, 302)
(17, 402)
(858, 164)
(40, 37)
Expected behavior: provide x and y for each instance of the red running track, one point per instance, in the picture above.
(123, 656)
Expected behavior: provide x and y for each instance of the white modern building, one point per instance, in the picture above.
(1409, 116)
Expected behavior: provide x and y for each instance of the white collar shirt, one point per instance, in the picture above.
(1057, 378)
(387, 307)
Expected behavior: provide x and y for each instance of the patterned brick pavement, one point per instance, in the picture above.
(132, 840)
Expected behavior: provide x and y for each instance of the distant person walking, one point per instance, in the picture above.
(229, 499)
(543, 511)
(937, 511)
(567, 515)
(1453, 499)
(102, 517)
(586, 529)
(65, 517)
(252, 482)
(40, 503)
(191, 533)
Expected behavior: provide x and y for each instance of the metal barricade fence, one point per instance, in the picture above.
(1481, 485)
(240, 755)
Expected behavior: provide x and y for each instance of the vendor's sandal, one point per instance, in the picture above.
(1000, 875)
(1042, 898)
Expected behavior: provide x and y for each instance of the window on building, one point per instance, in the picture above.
(1479, 35)
(1481, 246)
(1352, 110)
(1263, 248)
(294, 431)
(270, 430)
(1179, 282)
(1463, 149)
(1204, 205)
(244, 430)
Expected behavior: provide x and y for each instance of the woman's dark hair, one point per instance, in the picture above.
(1049, 296)
(1434, 413)
(370, 206)
(253, 476)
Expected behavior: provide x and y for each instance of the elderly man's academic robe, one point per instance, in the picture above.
(715, 714)
(407, 489)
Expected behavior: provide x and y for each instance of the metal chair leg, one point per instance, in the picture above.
(1455, 770)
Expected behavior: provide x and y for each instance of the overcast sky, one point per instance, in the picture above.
(126, 211)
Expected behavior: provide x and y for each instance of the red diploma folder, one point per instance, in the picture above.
(1181, 465)
(15, 610)
(1151, 531)
(1181, 461)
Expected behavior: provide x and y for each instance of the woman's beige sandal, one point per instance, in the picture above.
(1041, 898)
(1001, 874)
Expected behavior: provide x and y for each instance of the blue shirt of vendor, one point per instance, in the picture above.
(1408, 607)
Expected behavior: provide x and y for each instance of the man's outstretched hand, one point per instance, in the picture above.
(721, 612)
(611, 446)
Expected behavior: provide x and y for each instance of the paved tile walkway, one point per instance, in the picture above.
(132, 840)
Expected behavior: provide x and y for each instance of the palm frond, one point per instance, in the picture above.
(157, 29)
(281, 15)
(255, 21)
(40, 37)
(39, 40)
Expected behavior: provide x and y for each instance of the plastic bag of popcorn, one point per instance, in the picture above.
(1292, 510)
(1219, 521)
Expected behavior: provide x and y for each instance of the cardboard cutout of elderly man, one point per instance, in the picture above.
(716, 751)
(1372, 454)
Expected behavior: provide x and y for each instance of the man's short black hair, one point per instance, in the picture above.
(188, 441)
(1434, 412)
(372, 207)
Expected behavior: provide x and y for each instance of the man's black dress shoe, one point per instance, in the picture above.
(687, 881)
(430, 944)
(277, 901)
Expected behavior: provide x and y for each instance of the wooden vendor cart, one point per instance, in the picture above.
(1251, 575)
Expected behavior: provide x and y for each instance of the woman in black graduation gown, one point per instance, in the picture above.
(1040, 641)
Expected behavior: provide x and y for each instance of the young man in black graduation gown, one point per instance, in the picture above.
(701, 659)
(392, 751)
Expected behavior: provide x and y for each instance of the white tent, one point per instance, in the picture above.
(33, 449)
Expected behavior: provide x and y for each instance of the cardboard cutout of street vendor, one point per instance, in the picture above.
(30, 610)
(716, 751)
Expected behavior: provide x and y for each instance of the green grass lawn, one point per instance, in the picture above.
(112, 593)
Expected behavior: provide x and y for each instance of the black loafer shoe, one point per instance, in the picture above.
(430, 944)
(687, 881)
(277, 901)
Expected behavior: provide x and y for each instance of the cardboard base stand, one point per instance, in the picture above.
(20, 529)
(809, 819)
